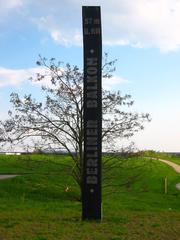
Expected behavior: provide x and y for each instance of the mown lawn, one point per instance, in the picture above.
(42, 203)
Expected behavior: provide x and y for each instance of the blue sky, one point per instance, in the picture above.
(143, 35)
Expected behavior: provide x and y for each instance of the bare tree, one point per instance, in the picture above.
(58, 120)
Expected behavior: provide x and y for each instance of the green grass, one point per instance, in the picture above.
(36, 205)
(165, 156)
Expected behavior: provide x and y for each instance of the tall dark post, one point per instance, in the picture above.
(91, 184)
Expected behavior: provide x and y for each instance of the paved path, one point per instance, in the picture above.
(175, 166)
(6, 176)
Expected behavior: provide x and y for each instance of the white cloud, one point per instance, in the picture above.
(9, 9)
(67, 40)
(15, 77)
(9, 5)
(138, 23)
(12, 3)
(113, 82)
(58, 32)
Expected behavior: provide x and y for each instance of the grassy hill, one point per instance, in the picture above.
(42, 203)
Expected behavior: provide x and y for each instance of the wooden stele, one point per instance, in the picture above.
(91, 182)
